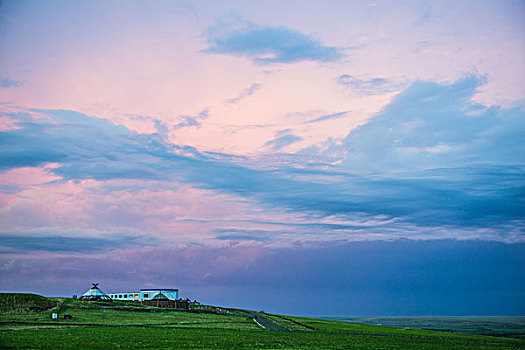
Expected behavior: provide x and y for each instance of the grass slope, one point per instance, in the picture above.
(129, 326)
(21, 303)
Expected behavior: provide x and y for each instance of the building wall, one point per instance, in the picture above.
(145, 294)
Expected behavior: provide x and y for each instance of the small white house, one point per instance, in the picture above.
(146, 294)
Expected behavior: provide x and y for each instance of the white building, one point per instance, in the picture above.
(95, 294)
(146, 294)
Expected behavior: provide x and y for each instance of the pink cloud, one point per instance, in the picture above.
(97, 208)
(7, 123)
(29, 175)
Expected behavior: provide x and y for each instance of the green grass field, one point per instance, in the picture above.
(25, 323)
(500, 326)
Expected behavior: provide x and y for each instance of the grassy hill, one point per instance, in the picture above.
(130, 326)
(21, 303)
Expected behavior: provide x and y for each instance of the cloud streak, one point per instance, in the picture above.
(327, 117)
(266, 45)
(245, 93)
(21, 243)
(189, 120)
(282, 139)
(9, 83)
(372, 86)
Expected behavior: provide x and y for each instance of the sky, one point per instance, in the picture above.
(300, 157)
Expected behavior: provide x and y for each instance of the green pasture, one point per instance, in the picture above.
(503, 326)
(166, 338)
(25, 323)
(90, 314)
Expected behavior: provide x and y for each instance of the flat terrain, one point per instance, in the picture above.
(497, 326)
(25, 322)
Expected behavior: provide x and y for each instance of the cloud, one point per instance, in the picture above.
(432, 164)
(17, 153)
(188, 120)
(161, 127)
(271, 45)
(245, 93)
(143, 124)
(23, 243)
(282, 139)
(233, 234)
(327, 117)
(372, 86)
(80, 143)
(9, 83)
(432, 125)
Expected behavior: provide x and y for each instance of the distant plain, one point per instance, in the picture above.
(499, 326)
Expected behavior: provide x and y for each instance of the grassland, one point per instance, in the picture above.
(128, 326)
(499, 326)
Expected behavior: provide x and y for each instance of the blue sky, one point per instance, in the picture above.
(374, 151)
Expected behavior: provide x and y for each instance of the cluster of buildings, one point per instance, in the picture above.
(146, 294)
(160, 297)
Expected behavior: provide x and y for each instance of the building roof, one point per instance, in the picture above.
(158, 290)
(94, 293)
(160, 296)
